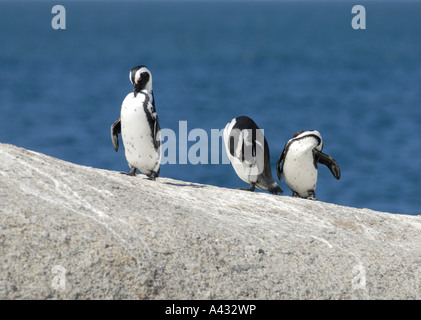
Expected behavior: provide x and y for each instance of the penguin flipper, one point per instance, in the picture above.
(156, 129)
(329, 162)
(280, 165)
(115, 131)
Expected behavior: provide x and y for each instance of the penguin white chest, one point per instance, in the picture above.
(299, 170)
(138, 138)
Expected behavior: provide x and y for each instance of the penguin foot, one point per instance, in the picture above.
(276, 190)
(311, 196)
(132, 172)
(153, 175)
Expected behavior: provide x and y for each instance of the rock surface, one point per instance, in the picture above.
(74, 232)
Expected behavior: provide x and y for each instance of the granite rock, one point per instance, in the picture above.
(74, 232)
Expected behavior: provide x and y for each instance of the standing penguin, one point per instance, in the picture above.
(298, 163)
(248, 152)
(139, 127)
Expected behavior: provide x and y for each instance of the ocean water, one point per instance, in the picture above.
(289, 65)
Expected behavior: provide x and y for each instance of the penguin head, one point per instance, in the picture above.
(141, 78)
(309, 134)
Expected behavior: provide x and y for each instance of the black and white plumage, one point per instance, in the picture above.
(298, 163)
(248, 152)
(139, 126)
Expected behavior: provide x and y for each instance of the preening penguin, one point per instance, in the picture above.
(139, 126)
(298, 163)
(248, 152)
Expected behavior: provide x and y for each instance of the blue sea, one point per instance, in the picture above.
(288, 65)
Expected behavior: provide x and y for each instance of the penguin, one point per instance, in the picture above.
(248, 152)
(139, 127)
(298, 163)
